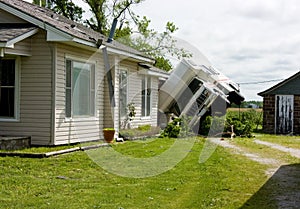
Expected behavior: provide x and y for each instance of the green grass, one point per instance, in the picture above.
(73, 180)
(290, 141)
(250, 146)
(44, 149)
(41, 149)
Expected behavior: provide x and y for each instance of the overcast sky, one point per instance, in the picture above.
(247, 40)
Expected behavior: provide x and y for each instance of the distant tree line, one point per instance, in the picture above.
(249, 104)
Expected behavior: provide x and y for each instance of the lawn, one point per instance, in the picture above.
(74, 180)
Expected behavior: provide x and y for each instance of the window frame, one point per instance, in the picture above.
(16, 117)
(92, 89)
(127, 90)
(144, 115)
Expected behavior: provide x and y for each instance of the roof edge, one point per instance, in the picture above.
(278, 85)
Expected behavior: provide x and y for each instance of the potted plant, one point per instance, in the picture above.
(109, 134)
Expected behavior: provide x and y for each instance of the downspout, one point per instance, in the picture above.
(112, 30)
(107, 65)
(52, 48)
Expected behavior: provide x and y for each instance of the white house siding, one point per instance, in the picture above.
(78, 129)
(135, 94)
(5, 17)
(35, 94)
(21, 48)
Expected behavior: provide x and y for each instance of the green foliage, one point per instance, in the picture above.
(140, 132)
(152, 43)
(244, 123)
(179, 127)
(130, 115)
(63, 7)
(212, 125)
(173, 129)
(131, 111)
(163, 63)
(155, 44)
(144, 127)
(248, 104)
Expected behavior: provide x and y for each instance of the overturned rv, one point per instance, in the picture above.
(194, 88)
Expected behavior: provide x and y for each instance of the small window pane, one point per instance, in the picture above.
(7, 88)
(144, 96)
(7, 104)
(123, 93)
(68, 102)
(68, 73)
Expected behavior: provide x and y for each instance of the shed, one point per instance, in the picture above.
(281, 107)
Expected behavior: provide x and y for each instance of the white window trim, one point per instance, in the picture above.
(148, 117)
(86, 117)
(127, 88)
(17, 92)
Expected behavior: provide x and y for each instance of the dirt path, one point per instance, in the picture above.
(282, 190)
(253, 156)
(292, 151)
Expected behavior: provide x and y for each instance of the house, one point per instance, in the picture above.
(281, 107)
(53, 78)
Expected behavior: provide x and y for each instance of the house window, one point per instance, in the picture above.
(8, 89)
(146, 96)
(123, 92)
(80, 89)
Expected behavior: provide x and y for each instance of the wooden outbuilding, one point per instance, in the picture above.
(281, 107)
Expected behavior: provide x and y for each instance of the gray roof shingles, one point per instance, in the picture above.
(66, 25)
(11, 31)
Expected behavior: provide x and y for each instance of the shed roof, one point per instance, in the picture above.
(289, 86)
(46, 19)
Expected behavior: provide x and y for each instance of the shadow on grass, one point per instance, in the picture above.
(282, 190)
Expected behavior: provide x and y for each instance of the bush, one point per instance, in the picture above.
(179, 127)
(213, 126)
(244, 123)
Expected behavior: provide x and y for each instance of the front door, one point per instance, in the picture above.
(284, 114)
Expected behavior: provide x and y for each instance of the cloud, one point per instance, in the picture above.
(250, 40)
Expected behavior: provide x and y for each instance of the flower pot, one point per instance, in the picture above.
(109, 135)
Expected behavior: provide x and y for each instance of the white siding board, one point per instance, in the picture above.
(35, 85)
(21, 48)
(76, 130)
(6, 17)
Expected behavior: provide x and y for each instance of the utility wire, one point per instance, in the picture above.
(260, 82)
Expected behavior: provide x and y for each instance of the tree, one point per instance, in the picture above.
(156, 44)
(132, 29)
(104, 11)
(63, 7)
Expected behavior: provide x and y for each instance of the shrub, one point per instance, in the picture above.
(244, 123)
(179, 127)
